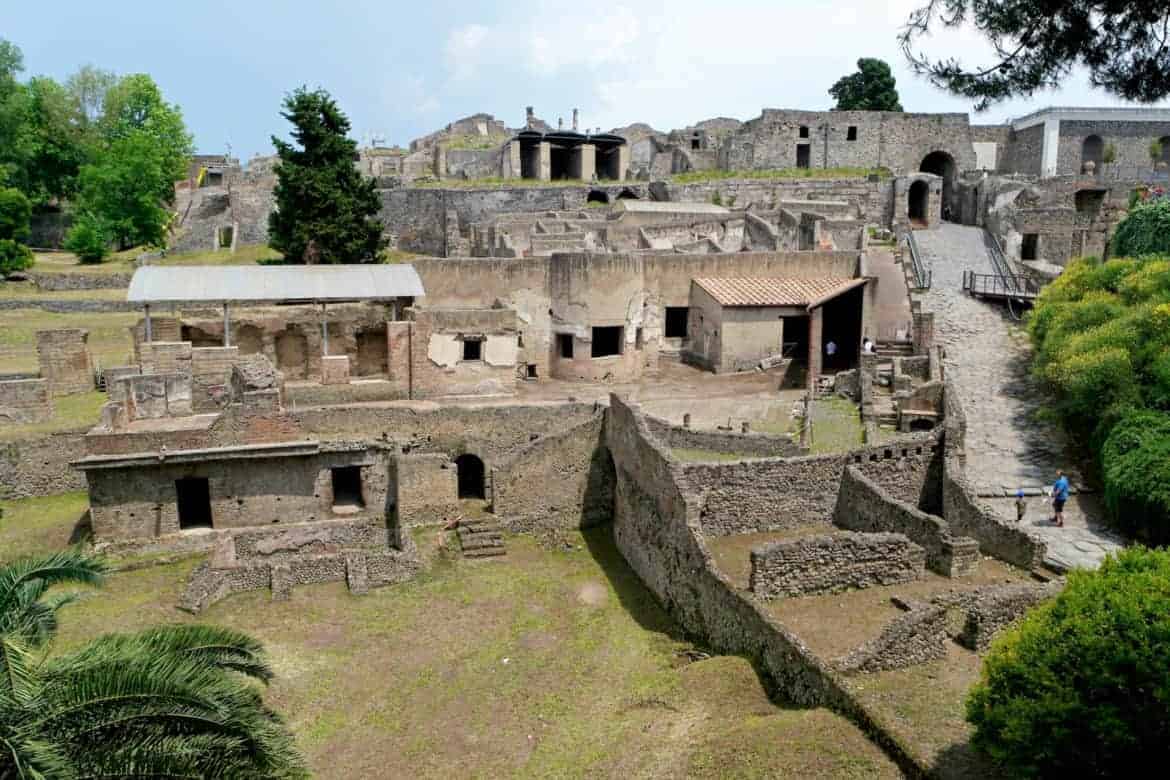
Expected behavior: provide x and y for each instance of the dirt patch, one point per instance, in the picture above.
(592, 594)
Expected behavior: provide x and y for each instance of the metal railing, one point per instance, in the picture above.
(997, 285)
(922, 274)
(1000, 263)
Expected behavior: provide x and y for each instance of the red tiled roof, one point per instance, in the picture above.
(785, 291)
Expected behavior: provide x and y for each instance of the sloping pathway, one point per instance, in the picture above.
(1008, 446)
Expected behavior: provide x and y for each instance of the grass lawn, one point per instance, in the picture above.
(544, 664)
(30, 292)
(70, 413)
(836, 426)
(109, 337)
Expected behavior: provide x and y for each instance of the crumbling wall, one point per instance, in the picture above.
(25, 401)
(749, 445)
(831, 563)
(989, 610)
(423, 489)
(63, 357)
(910, 639)
(560, 481)
(864, 506)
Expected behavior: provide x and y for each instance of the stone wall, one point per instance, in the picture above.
(423, 489)
(831, 563)
(749, 445)
(39, 466)
(211, 368)
(560, 481)
(25, 401)
(913, 638)
(165, 357)
(864, 506)
(989, 610)
(63, 356)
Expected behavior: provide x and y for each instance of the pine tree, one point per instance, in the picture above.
(324, 206)
(871, 88)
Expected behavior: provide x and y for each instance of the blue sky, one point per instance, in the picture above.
(401, 70)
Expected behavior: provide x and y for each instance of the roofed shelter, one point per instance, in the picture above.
(736, 323)
(398, 284)
(568, 154)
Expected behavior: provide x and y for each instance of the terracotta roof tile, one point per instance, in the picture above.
(785, 291)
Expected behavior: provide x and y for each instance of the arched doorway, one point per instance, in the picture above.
(942, 165)
(597, 196)
(471, 476)
(919, 203)
(1092, 151)
(627, 194)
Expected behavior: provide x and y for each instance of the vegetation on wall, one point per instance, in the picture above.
(325, 208)
(1102, 338)
(1145, 230)
(871, 88)
(1037, 44)
(1081, 687)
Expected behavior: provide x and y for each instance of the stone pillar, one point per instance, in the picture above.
(63, 359)
(511, 166)
(585, 162)
(440, 161)
(398, 356)
(544, 168)
(623, 161)
(815, 348)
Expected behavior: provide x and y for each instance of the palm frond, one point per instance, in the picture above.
(17, 676)
(211, 646)
(25, 580)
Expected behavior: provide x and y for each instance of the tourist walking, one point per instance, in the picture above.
(1059, 496)
(1021, 506)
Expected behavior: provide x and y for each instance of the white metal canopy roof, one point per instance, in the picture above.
(165, 284)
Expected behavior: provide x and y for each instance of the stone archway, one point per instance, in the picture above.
(943, 165)
(470, 471)
(597, 196)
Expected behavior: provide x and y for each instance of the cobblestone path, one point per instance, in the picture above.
(987, 357)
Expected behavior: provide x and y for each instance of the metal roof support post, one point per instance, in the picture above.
(324, 333)
(227, 327)
(149, 330)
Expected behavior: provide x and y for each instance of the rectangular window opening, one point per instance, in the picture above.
(676, 322)
(472, 349)
(565, 345)
(347, 486)
(804, 131)
(607, 341)
(193, 495)
(532, 371)
(225, 237)
(802, 156)
(851, 134)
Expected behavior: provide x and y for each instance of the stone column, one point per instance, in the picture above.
(585, 162)
(511, 167)
(623, 161)
(544, 169)
(815, 323)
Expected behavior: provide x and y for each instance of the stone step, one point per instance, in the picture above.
(485, 552)
(481, 544)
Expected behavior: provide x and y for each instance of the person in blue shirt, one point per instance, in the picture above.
(1059, 496)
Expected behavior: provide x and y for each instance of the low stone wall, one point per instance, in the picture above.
(66, 306)
(913, 638)
(990, 610)
(969, 516)
(831, 563)
(64, 360)
(25, 401)
(864, 506)
(39, 466)
(78, 281)
(917, 367)
(748, 445)
(560, 481)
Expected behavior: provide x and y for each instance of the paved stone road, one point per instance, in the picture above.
(987, 358)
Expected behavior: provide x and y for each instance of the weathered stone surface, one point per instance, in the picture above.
(832, 563)
(910, 639)
(25, 401)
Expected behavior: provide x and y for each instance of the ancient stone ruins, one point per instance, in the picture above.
(580, 350)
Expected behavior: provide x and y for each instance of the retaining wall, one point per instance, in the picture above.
(831, 563)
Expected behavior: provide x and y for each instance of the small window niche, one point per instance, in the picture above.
(607, 341)
(347, 488)
(1029, 249)
(639, 339)
(193, 495)
(804, 131)
(565, 345)
(472, 349)
(531, 371)
(851, 133)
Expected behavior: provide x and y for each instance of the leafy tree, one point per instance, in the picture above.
(15, 212)
(58, 143)
(89, 238)
(1081, 688)
(1137, 474)
(14, 124)
(1145, 230)
(173, 701)
(1037, 43)
(324, 206)
(871, 88)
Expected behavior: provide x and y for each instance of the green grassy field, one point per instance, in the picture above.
(549, 663)
(109, 335)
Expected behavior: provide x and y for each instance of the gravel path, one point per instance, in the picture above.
(987, 359)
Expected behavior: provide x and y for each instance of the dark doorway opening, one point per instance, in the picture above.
(608, 164)
(560, 162)
(802, 156)
(607, 341)
(596, 196)
(531, 371)
(919, 198)
(565, 345)
(942, 165)
(841, 324)
(922, 424)
(1029, 248)
(676, 322)
(1089, 201)
(804, 131)
(795, 339)
(472, 350)
(851, 133)
(627, 194)
(470, 475)
(347, 486)
(225, 236)
(193, 495)
(372, 351)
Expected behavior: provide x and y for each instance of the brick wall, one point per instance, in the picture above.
(25, 401)
(63, 356)
(211, 369)
(165, 357)
(423, 488)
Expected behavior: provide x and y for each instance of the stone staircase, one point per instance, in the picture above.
(887, 350)
(481, 538)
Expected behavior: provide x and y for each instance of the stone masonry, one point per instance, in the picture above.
(64, 360)
(831, 563)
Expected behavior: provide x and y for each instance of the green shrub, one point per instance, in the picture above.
(1136, 465)
(14, 257)
(1145, 230)
(89, 239)
(1081, 688)
(15, 212)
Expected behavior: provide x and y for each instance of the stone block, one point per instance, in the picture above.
(281, 582)
(356, 574)
(335, 370)
(25, 401)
